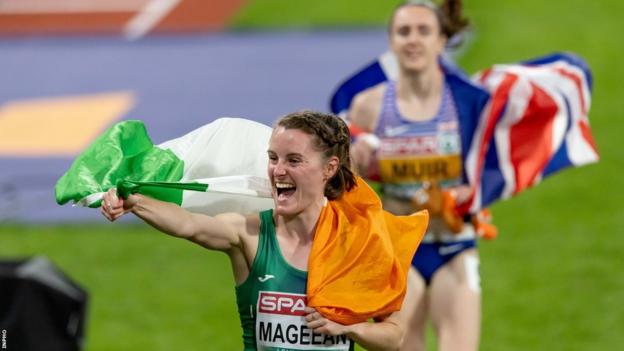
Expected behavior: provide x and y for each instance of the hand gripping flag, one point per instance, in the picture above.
(534, 124)
(360, 256)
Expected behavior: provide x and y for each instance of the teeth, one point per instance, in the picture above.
(284, 185)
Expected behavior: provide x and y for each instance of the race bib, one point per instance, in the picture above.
(281, 325)
(416, 159)
(420, 169)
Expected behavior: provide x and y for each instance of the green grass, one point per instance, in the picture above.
(274, 14)
(147, 291)
(551, 281)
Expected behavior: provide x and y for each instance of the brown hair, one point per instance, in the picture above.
(331, 138)
(449, 15)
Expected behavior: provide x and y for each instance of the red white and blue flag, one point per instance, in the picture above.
(534, 124)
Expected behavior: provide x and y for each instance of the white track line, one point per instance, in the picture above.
(148, 18)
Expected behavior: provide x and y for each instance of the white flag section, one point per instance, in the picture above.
(241, 194)
(230, 155)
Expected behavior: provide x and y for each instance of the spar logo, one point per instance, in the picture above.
(413, 145)
(281, 303)
(280, 325)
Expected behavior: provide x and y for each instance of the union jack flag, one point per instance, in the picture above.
(534, 123)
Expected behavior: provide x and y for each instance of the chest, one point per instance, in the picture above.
(294, 252)
(418, 109)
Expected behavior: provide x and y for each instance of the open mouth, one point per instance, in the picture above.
(284, 190)
(412, 53)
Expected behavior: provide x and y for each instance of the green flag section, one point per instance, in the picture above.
(233, 185)
(207, 170)
(127, 187)
(123, 152)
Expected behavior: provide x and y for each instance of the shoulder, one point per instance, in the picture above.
(366, 107)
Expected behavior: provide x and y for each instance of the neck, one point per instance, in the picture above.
(420, 85)
(302, 225)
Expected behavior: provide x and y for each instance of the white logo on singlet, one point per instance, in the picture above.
(394, 131)
(265, 278)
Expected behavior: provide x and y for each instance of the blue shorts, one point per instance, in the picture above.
(430, 257)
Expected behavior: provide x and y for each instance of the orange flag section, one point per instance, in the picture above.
(358, 265)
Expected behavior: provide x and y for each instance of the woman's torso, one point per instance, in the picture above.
(413, 153)
(271, 301)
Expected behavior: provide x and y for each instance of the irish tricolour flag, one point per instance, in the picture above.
(220, 167)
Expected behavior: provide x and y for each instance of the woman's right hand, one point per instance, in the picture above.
(361, 155)
(114, 207)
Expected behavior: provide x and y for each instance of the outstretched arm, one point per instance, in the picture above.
(386, 334)
(218, 233)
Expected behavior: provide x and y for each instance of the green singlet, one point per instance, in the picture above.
(271, 302)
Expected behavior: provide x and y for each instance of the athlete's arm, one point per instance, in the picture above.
(363, 114)
(217, 233)
(385, 334)
(365, 108)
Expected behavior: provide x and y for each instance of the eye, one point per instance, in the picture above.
(424, 30)
(294, 161)
(272, 158)
(403, 31)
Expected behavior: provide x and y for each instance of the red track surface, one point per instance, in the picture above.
(186, 16)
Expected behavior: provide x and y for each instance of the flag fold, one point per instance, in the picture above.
(124, 151)
(360, 257)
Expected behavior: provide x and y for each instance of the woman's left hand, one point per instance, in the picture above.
(322, 325)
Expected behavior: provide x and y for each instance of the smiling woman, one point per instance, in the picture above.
(272, 251)
(321, 145)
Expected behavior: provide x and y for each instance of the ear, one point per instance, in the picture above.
(331, 167)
